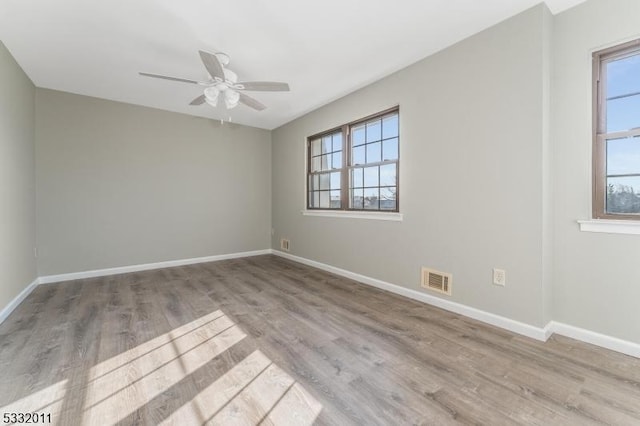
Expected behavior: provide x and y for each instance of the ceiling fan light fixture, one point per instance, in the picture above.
(211, 95)
(231, 98)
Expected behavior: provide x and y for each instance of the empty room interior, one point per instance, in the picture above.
(330, 213)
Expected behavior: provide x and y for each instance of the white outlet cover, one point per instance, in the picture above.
(499, 277)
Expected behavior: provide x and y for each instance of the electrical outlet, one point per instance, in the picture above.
(284, 244)
(499, 277)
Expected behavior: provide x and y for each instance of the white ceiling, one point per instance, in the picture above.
(323, 49)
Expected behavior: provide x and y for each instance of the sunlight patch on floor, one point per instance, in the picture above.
(297, 407)
(47, 400)
(152, 368)
(208, 402)
(254, 391)
(139, 351)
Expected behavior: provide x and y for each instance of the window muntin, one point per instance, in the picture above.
(617, 132)
(365, 174)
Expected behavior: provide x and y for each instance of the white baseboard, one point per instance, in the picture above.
(537, 333)
(542, 334)
(47, 279)
(6, 311)
(602, 340)
(588, 336)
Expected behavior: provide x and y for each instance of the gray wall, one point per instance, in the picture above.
(119, 184)
(17, 179)
(472, 186)
(597, 276)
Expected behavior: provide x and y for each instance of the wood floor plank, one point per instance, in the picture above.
(264, 340)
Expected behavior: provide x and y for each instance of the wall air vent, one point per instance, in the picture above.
(284, 244)
(436, 281)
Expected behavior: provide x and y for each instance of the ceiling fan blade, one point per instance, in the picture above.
(166, 77)
(250, 102)
(265, 86)
(212, 64)
(198, 101)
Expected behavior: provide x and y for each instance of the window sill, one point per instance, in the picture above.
(390, 216)
(610, 226)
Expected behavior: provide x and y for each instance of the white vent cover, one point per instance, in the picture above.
(284, 244)
(437, 281)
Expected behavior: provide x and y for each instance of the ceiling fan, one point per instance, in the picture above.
(224, 83)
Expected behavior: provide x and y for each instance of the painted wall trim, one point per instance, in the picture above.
(588, 336)
(6, 311)
(610, 226)
(147, 266)
(537, 333)
(346, 214)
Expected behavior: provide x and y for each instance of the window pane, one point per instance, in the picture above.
(388, 198)
(623, 114)
(388, 175)
(390, 149)
(337, 141)
(326, 144)
(311, 199)
(374, 131)
(316, 199)
(315, 147)
(358, 155)
(312, 180)
(335, 200)
(374, 152)
(623, 156)
(335, 180)
(623, 76)
(325, 161)
(325, 201)
(357, 135)
(623, 195)
(371, 176)
(390, 126)
(388, 204)
(357, 198)
(316, 164)
(357, 178)
(371, 199)
(336, 162)
(325, 181)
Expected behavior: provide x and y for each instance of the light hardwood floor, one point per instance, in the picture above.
(264, 340)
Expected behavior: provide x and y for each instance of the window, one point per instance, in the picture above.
(355, 166)
(616, 146)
